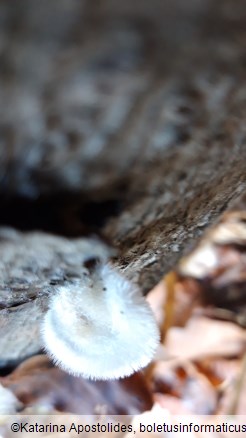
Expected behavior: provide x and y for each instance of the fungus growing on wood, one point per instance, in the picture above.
(101, 327)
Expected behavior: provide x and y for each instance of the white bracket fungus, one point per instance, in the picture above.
(101, 327)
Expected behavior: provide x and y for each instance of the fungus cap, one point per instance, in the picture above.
(102, 328)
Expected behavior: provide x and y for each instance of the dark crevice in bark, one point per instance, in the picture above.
(67, 214)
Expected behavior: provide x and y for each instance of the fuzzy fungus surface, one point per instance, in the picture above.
(101, 328)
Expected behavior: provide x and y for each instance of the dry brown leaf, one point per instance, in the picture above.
(37, 382)
(231, 229)
(219, 370)
(184, 301)
(218, 265)
(216, 251)
(203, 337)
(195, 393)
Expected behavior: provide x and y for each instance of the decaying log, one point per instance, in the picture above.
(126, 120)
(31, 268)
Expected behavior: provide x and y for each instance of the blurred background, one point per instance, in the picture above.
(89, 90)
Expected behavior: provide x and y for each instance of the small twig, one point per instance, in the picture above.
(170, 280)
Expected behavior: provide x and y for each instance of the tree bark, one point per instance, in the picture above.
(126, 120)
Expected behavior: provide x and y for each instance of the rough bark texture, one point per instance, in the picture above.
(126, 119)
(31, 268)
